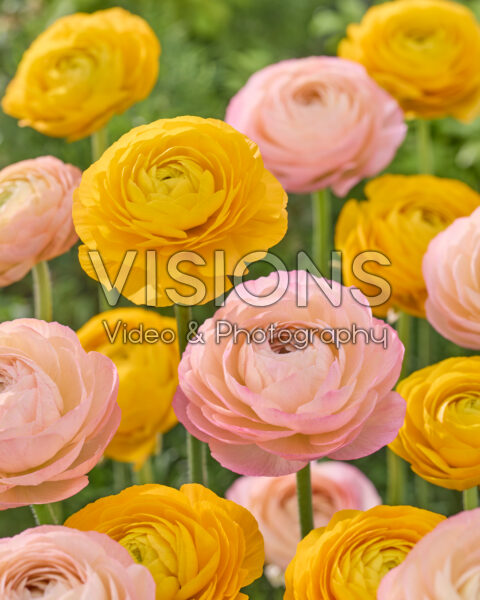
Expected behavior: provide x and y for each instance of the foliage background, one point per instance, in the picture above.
(210, 48)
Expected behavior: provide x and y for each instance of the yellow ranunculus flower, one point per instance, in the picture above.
(196, 545)
(424, 52)
(188, 188)
(347, 559)
(401, 216)
(441, 434)
(147, 368)
(81, 71)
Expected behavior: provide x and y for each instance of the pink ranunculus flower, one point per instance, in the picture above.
(35, 214)
(451, 269)
(59, 563)
(58, 412)
(269, 407)
(443, 565)
(319, 122)
(273, 502)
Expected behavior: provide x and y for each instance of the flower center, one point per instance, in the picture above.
(286, 339)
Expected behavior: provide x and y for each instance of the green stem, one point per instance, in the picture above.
(146, 473)
(42, 291)
(470, 498)
(424, 148)
(121, 475)
(396, 479)
(404, 329)
(196, 451)
(99, 143)
(322, 231)
(44, 514)
(425, 344)
(422, 492)
(304, 496)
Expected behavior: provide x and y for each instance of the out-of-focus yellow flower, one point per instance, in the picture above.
(424, 52)
(187, 189)
(143, 346)
(347, 559)
(81, 71)
(401, 216)
(196, 545)
(441, 434)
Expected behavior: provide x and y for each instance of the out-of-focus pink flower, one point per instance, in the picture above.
(273, 502)
(58, 412)
(443, 565)
(35, 214)
(319, 122)
(59, 563)
(451, 269)
(269, 407)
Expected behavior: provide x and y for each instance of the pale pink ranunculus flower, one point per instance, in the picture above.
(269, 407)
(451, 269)
(58, 412)
(443, 565)
(59, 563)
(319, 122)
(35, 214)
(273, 502)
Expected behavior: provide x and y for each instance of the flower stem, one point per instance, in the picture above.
(470, 498)
(42, 291)
(404, 330)
(424, 148)
(121, 475)
(44, 514)
(322, 231)
(396, 479)
(146, 473)
(196, 451)
(304, 496)
(99, 143)
(425, 344)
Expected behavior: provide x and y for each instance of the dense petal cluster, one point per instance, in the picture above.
(81, 71)
(196, 545)
(399, 219)
(58, 412)
(441, 434)
(348, 559)
(35, 214)
(268, 405)
(451, 269)
(170, 189)
(59, 563)
(273, 502)
(147, 366)
(444, 565)
(319, 122)
(424, 52)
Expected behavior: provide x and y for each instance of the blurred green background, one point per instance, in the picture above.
(210, 48)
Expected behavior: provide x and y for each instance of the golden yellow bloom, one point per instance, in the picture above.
(347, 559)
(81, 71)
(185, 189)
(401, 216)
(196, 545)
(441, 434)
(424, 52)
(143, 347)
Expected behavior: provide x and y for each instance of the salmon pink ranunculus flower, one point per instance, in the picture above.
(268, 403)
(35, 214)
(451, 269)
(58, 412)
(273, 502)
(444, 565)
(59, 563)
(319, 122)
